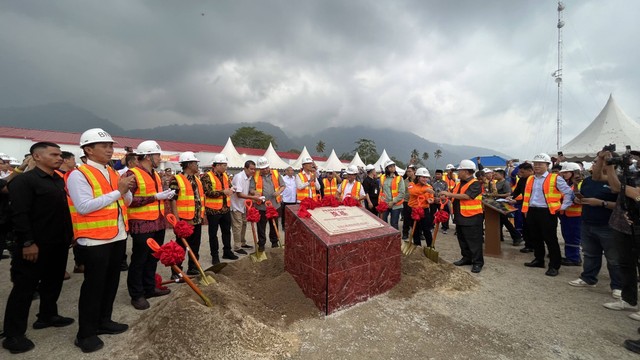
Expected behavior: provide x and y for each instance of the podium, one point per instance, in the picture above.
(492, 211)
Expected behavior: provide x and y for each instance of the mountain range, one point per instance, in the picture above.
(397, 143)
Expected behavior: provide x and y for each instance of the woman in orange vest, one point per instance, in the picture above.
(468, 216)
(571, 218)
(421, 195)
(392, 191)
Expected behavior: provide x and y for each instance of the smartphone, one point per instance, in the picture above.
(560, 153)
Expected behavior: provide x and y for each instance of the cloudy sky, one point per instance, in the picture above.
(461, 71)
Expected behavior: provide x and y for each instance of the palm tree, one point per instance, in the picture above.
(414, 156)
(437, 154)
(320, 147)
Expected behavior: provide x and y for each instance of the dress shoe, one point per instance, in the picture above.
(567, 262)
(215, 260)
(78, 269)
(535, 263)
(275, 245)
(476, 269)
(551, 272)
(192, 272)
(245, 246)
(632, 345)
(157, 293)
(55, 321)
(517, 241)
(111, 328)
(526, 250)
(462, 262)
(18, 344)
(90, 344)
(231, 256)
(140, 303)
(239, 251)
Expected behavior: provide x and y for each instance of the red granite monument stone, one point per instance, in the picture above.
(340, 270)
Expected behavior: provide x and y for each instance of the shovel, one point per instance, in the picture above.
(155, 247)
(408, 247)
(205, 279)
(256, 256)
(430, 252)
(275, 225)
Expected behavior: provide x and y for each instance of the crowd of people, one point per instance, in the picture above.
(48, 204)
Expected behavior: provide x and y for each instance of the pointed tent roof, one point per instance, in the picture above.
(357, 161)
(235, 159)
(333, 162)
(298, 163)
(275, 162)
(379, 165)
(611, 126)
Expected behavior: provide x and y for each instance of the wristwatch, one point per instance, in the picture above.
(604, 204)
(637, 199)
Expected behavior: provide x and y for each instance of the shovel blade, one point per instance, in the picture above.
(258, 256)
(216, 268)
(432, 254)
(407, 248)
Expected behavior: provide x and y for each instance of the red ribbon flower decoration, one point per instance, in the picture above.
(417, 213)
(350, 201)
(253, 215)
(170, 254)
(382, 207)
(272, 212)
(159, 283)
(183, 229)
(330, 201)
(303, 213)
(309, 203)
(440, 216)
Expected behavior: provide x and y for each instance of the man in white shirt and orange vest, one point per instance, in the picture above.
(306, 181)
(351, 186)
(468, 216)
(289, 193)
(269, 184)
(543, 198)
(98, 200)
(188, 203)
(146, 220)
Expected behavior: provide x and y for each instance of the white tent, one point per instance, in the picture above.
(235, 159)
(379, 165)
(275, 162)
(297, 165)
(357, 161)
(333, 163)
(611, 126)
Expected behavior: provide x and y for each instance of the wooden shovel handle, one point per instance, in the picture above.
(193, 286)
(192, 255)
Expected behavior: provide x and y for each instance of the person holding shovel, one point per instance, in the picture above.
(468, 216)
(268, 184)
(188, 204)
(421, 190)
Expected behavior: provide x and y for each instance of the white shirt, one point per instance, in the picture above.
(300, 185)
(123, 170)
(241, 183)
(81, 194)
(4, 174)
(537, 193)
(347, 189)
(289, 193)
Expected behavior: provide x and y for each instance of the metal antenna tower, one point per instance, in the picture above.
(558, 76)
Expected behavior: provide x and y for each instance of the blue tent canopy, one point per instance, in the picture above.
(491, 161)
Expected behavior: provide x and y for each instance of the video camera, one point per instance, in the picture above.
(625, 161)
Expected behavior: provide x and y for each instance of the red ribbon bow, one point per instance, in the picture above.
(170, 254)
(417, 213)
(382, 207)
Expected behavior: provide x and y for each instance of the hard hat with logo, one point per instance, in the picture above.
(423, 172)
(542, 157)
(95, 135)
(467, 165)
(389, 163)
(188, 156)
(369, 167)
(4, 157)
(262, 163)
(148, 147)
(352, 170)
(307, 160)
(570, 167)
(14, 162)
(450, 167)
(220, 159)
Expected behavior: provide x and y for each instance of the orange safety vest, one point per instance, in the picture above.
(101, 224)
(355, 189)
(395, 183)
(147, 188)
(552, 196)
(470, 207)
(216, 203)
(330, 186)
(575, 210)
(186, 201)
(304, 193)
(274, 179)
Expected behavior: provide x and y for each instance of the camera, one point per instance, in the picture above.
(624, 160)
(610, 147)
(128, 149)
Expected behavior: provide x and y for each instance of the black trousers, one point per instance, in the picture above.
(470, 240)
(141, 278)
(222, 221)
(542, 229)
(423, 227)
(194, 244)
(281, 209)
(407, 220)
(627, 247)
(46, 275)
(100, 285)
(262, 230)
(504, 220)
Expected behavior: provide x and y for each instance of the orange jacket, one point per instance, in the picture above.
(419, 190)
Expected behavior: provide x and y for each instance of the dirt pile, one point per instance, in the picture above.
(254, 306)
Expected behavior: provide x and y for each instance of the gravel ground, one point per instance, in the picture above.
(506, 312)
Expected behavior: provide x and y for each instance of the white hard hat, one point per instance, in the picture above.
(93, 136)
(187, 156)
(352, 170)
(570, 167)
(14, 162)
(262, 163)
(148, 147)
(487, 170)
(307, 160)
(388, 163)
(450, 167)
(467, 165)
(220, 159)
(542, 157)
(4, 157)
(369, 167)
(422, 172)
